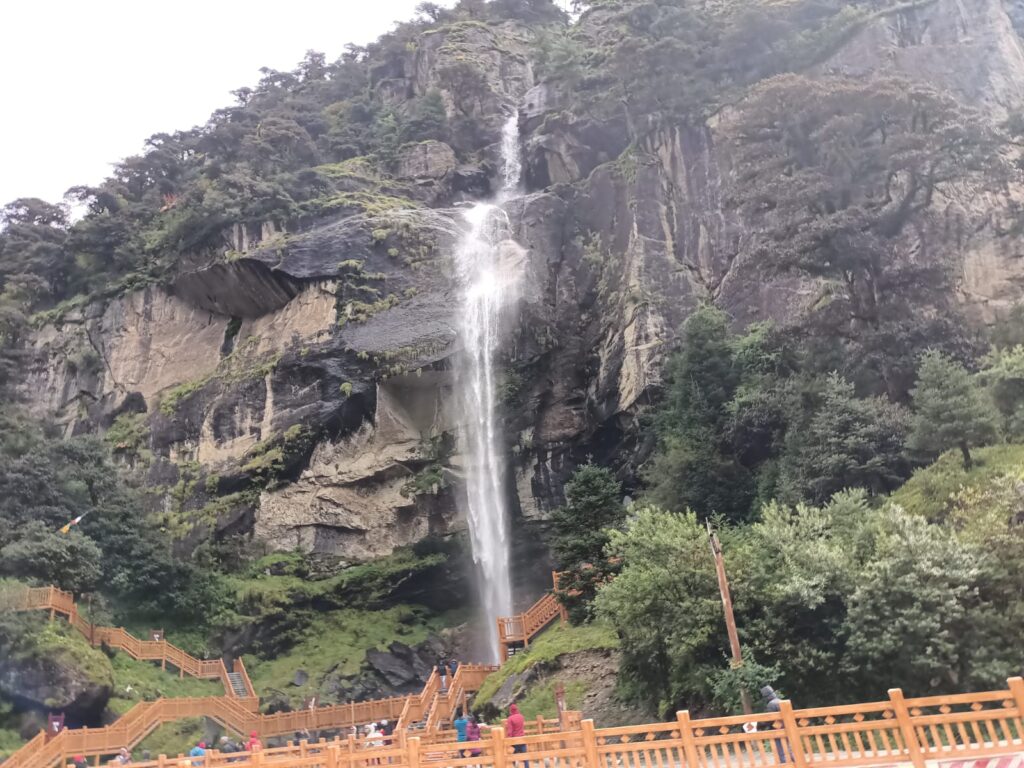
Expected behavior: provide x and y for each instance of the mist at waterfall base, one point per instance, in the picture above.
(490, 270)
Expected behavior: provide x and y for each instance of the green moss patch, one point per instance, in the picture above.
(279, 581)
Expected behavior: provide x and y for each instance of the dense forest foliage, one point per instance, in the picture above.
(830, 569)
(800, 442)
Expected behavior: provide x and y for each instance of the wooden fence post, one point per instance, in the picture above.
(332, 756)
(498, 747)
(1016, 685)
(589, 738)
(899, 708)
(796, 747)
(686, 736)
(412, 751)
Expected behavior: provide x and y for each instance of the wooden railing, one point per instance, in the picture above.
(468, 677)
(59, 602)
(238, 714)
(889, 732)
(522, 627)
(417, 706)
(234, 713)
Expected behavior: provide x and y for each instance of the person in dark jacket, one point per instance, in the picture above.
(453, 667)
(773, 703)
(442, 672)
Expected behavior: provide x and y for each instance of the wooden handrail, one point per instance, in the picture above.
(522, 627)
(894, 731)
(235, 713)
(57, 601)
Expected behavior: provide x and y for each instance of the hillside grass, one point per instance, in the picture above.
(136, 681)
(930, 490)
(554, 642)
(171, 739)
(539, 699)
(337, 642)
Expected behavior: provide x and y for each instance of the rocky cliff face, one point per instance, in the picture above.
(302, 391)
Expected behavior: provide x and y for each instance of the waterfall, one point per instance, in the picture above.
(489, 266)
(511, 162)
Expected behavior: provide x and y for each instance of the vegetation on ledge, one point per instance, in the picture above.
(136, 681)
(548, 647)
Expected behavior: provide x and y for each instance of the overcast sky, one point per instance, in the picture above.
(84, 83)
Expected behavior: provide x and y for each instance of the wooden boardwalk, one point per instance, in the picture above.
(235, 713)
(975, 730)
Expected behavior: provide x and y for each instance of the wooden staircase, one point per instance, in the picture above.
(236, 711)
(517, 631)
(61, 603)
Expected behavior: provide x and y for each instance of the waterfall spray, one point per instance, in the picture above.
(490, 275)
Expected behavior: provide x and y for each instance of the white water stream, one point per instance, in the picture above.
(489, 264)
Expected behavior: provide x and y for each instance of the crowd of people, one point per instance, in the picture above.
(372, 735)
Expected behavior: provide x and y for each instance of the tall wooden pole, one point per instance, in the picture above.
(730, 619)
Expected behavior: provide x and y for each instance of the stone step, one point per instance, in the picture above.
(238, 684)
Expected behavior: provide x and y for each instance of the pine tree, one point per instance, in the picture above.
(950, 410)
(593, 504)
(849, 442)
(581, 533)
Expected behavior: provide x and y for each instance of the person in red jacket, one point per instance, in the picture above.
(515, 726)
(254, 744)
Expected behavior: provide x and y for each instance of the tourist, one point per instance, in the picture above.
(124, 756)
(79, 761)
(228, 747)
(199, 750)
(442, 672)
(460, 724)
(254, 744)
(374, 737)
(374, 740)
(473, 734)
(774, 704)
(453, 667)
(515, 728)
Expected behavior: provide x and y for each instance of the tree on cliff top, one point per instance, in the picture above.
(833, 170)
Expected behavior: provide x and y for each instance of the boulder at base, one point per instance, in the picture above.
(47, 665)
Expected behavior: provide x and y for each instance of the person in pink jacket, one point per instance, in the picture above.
(515, 727)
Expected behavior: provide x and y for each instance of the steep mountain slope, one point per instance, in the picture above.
(290, 377)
